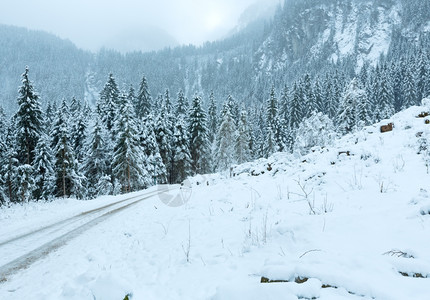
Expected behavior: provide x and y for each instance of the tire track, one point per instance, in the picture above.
(42, 251)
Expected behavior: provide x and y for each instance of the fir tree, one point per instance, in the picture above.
(181, 108)
(385, 105)
(8, 165)
(108, 104)
(44, 176)
(28, 120)
(348, 115)
(296, 109)
(212, 118)
(199, 140)
(154, 162)
(409, 90)
(25, 182)
(66, 178)
(128, 160)
(143, 101)
(242, 146)
(95, 164)
(181, 153)
(226, 140)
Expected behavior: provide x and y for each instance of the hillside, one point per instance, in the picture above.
(347, 221)
(304, 36)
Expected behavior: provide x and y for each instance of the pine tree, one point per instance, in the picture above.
(181, 108)
(128, 158)
(163, 135)
(108, 104)
(269, 146)
(272, 108)
(320, 103)
(28, 120)
(79, 135)
(43, 171)
(242, 147)
(308, 96)
(9, 164)
(154, 163)
(226, 140)
(181, 153)
(199, 140)
(49, 117)
(95, 164)
(284, 105)
(212, 118)
(347, 117)
(143, 101)
(67, 180)
(296, 108)
(385, 106)
(409, 90)
(25, 182)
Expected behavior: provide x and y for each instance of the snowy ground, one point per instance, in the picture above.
(364, 226)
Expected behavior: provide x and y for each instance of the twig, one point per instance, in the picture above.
(314, 250)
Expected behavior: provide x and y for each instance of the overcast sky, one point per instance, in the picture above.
(91, 24)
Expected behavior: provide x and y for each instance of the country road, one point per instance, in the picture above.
(19, 252)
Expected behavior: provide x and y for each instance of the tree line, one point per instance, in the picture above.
(131, 140)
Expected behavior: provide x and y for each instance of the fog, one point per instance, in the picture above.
(127, 24)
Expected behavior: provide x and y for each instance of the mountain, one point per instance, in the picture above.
(313, 37)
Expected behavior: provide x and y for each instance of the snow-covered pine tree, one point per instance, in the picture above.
(25, 182)
(409, 89)
(242, 146)
(107, 105)
(49, 117)
(296, 108)
(274, 123)
(163, 135)
(95, 164)
(347, 116)
(181, 108)
(284, 105)
(67, 181)
(385, 105)
(43, 170)
(79, 134)
(269, 146)
(128, 169)
(154, 162)
(226, 140)
(271, 109)
(143, 101)
(308, 96)
(320, 102)
(199, 140)
(9, 164)
(336, 96)
(28, 121)
(212, 118)
(180, 153)
(420, 71)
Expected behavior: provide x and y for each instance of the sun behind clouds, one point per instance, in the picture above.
(214, 20)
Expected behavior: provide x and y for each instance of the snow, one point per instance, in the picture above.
(363, 209)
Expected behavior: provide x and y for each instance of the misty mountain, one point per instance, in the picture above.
(303, 36)
(145, 39)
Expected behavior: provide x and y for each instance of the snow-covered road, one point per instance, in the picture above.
(19, 252)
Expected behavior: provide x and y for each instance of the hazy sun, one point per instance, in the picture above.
(213, 20)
